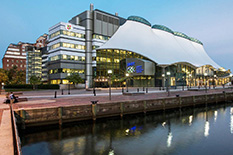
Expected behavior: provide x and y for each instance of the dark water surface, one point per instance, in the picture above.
(190, 131)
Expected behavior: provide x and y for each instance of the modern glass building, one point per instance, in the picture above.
(34, 63)
(72, 46)
(155, 56)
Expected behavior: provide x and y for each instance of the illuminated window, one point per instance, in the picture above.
(64, 57)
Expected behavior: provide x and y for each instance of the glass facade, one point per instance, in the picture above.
(111, 59)
(34, 64)
(101, 37)
(67, 33)
(67, 57)
(67, 45)
(66, 70)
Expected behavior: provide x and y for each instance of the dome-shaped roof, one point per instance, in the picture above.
(195, 40)
(161, 27)
(179, 34)
(139, 19)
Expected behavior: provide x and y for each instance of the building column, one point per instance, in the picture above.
(89, 31)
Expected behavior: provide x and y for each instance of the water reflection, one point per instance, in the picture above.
(231, 123)
(176, 132)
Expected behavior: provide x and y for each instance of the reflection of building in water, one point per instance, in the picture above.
(131, 134)
(207, 126)
(215, 115)
(169, 137)
(190, 120)
(231, 123)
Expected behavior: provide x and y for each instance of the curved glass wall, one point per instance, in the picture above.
(164, 28)
(139, 19)
(114, 59)
(181, 74)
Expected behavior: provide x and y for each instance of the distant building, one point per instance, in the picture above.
(44, 76)
(34, 58)
(15, 55)
(34, 62)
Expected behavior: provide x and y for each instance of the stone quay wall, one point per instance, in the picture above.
(59, 115)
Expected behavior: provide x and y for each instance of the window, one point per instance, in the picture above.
(55, 46)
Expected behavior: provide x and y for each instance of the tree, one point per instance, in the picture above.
(75, 78)
(34, 80)
(3, 78)
(15, 76)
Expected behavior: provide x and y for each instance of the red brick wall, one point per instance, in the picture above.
(8, 62)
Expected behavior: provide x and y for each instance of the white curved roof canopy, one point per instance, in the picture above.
(160, 46)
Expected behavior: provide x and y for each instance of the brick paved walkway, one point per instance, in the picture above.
(77, 100)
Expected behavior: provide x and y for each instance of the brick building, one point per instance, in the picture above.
(15, 55)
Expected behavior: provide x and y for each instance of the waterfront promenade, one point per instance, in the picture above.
(6, 135)
(43, 99)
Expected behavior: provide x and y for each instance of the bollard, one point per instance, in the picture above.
(122, 90)
(146, 90)
(177, 95)
(137, 89)
(94, 92)
(159, 88)
(55, 95)
(143, 88)
(62, 92)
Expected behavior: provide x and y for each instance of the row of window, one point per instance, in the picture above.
(67, 45)
(67, 33)
(67, 57)
(15, 65)
(59, 82)
(17, 61)
(66, 70)
(104, 59)
(96, 36)
(107, 19)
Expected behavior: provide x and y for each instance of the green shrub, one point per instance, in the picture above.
(48, 86)
(29, 86)
(21, 86)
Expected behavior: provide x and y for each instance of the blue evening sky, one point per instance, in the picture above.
(210, 21)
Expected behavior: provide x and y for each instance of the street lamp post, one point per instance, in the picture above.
(127, 75)
(110, 73)
(215, 80)
(69, 88)
(163, 76)
(168, 84)
(183, 83)
(205, 74)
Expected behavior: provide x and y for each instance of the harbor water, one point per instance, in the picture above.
(202, 130)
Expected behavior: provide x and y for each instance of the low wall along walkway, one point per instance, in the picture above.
(55, 115)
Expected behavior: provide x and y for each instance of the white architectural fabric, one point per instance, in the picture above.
(160, 46)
